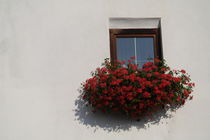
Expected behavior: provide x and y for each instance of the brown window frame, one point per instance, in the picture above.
(154, 32)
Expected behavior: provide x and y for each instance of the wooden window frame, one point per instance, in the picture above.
(154, 32)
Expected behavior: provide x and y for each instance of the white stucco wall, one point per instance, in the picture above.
(48, 47)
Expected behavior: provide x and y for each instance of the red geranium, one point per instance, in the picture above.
(126, 88)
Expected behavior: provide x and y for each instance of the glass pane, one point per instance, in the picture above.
(144, 50)
(125, 48)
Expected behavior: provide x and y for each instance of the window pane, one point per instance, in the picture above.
(144, 50)
(125, 48)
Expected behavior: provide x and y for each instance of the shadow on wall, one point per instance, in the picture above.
(112, 122)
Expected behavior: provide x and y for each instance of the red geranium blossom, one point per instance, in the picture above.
(136, 91)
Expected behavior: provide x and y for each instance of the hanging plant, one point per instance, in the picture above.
(124, 88)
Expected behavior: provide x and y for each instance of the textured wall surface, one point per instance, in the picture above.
(48, 47)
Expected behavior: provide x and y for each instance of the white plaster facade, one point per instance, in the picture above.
(48, 47)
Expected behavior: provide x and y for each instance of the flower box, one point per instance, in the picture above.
(137, 92)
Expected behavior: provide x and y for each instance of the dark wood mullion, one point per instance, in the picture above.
(160, 49)
(113, 48)
(135, 35)
(134, 31)
(156, 51)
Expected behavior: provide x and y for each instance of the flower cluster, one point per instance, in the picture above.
(137, 92)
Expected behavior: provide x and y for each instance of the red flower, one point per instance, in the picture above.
(109, 98)
(134, 67)
(163, 69)
(148, 83)
(146, 95)
(124, 71)
(113, 83)
(132, 57)
(183, 71)
(103, 85)
(84, 97)
(171, 95)
(178, 98)
(139, 90)
(132, 77)
(156, 73)
(126, 77)
(130, 98)
(157, 60)
(186, 93)
(176, 79)
(148, 64)
(127, 88)
(136, 92)
(157, 91)
(149, 75)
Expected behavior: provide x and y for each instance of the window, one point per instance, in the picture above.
(144, 44)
